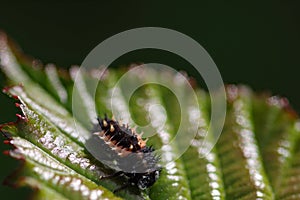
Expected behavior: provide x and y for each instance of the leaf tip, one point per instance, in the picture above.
(7, 90)
(283, 103)
(6, 152)
(6, 142)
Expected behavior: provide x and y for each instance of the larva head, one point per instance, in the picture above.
(148, 179)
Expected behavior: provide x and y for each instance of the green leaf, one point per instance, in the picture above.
(256, 156)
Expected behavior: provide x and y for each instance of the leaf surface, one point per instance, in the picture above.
(256, 156)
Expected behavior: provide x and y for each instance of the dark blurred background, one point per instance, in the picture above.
(252, 43)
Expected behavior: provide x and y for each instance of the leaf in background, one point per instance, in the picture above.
(256, 156)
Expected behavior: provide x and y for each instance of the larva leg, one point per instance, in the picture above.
(120, 173)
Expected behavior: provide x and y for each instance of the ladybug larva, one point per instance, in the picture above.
(122, 149)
